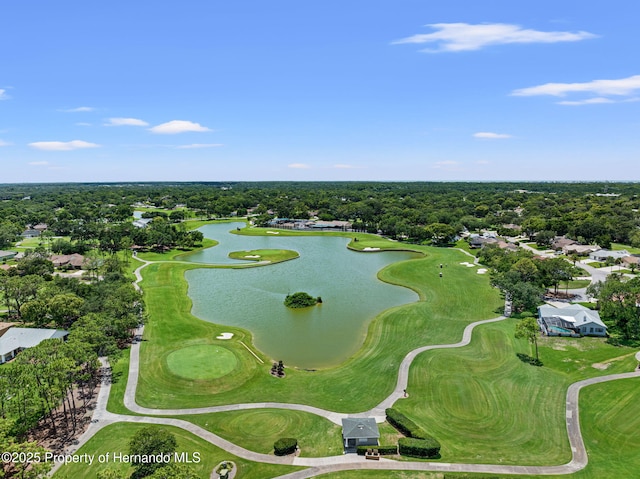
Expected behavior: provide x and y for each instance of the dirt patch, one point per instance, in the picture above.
(600, 366)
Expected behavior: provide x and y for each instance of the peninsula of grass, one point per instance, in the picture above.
(115, 439)
(262, 255)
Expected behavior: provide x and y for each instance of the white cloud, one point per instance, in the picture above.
(38, 163)
(457, 37)
(80, 109)
(347, 167)
(597, 101)
(62, 145)
(4, 143)
(125, 122)
(299, 166)
(198, 145)
(620, 87)
(487, 135)
(3, 94)
(177, 126)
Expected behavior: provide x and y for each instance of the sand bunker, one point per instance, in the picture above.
(369, 248)
(252, 256)
(225, 336)
(482, 270)
(273, 232)
(467, 264)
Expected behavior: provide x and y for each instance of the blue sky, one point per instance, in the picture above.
(319, 90)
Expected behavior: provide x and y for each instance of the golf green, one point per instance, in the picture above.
(202, 361)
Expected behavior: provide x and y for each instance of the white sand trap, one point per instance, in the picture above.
(252, 256)
(467, 264)
(482, 270)
(273, 232)
(225, 336)
(369, 248)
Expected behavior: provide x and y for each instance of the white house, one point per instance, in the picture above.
(17, 339)
(603, 254)
(572, 320)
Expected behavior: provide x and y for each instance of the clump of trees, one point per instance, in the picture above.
(301, 300)
(618, 300)
(522, 278)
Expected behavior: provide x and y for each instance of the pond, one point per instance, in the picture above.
(315, 337)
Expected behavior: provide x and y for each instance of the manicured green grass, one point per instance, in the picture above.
(258, 429)
(630, 249)
(445, 308)
(202, 361)
(574, 284)
(119, 373)
(486, 406)
(271, 255)
(116, 437)
(174, 254)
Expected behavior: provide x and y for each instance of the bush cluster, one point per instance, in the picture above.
(382, 450)
(409, 446)
(285, 445)
(300, 300)
(405, 425)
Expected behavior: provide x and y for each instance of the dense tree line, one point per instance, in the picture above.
(421, 212)
(619, 301)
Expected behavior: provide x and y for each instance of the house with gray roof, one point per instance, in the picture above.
(6, 255)
(359, 432)
(15, 340)
(572, 320)
(603, 254)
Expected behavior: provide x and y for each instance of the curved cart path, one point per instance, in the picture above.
(323, 465)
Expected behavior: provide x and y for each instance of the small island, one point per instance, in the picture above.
(301, 300)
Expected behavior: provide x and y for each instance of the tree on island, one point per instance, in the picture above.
(301, 300)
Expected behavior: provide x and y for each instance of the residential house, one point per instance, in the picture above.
(359, 432)
(30, 233)
(142, 222)
(15, 340)
(71, 261)
(580, 249)
(7, 255)
(572, 320)
(561, 242)
(603, 254)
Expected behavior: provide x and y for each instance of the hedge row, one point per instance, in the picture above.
(405, 425)
(382, 450)
(284, 446)
(418, 447)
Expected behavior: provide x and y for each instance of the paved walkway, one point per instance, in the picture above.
(316, 466)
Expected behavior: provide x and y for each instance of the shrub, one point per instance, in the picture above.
(408, 446)
(405, 425)
(382, 450)
(285, 445)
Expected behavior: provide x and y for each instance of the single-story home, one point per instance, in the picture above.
(359, 432)
(75, 260)
(559, 243)
(603, 254)
(7, 255)
(30, 233)
(572, 320)
(16, 339)
(580, 249)
(142, 222)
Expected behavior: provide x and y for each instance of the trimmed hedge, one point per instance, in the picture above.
(405, 425)
(284, 446)
(382, 450)
(418, 447)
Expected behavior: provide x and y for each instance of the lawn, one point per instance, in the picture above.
(258, 429)
(116, 437)
(630, 249)
(440, 316)
(486, 406)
